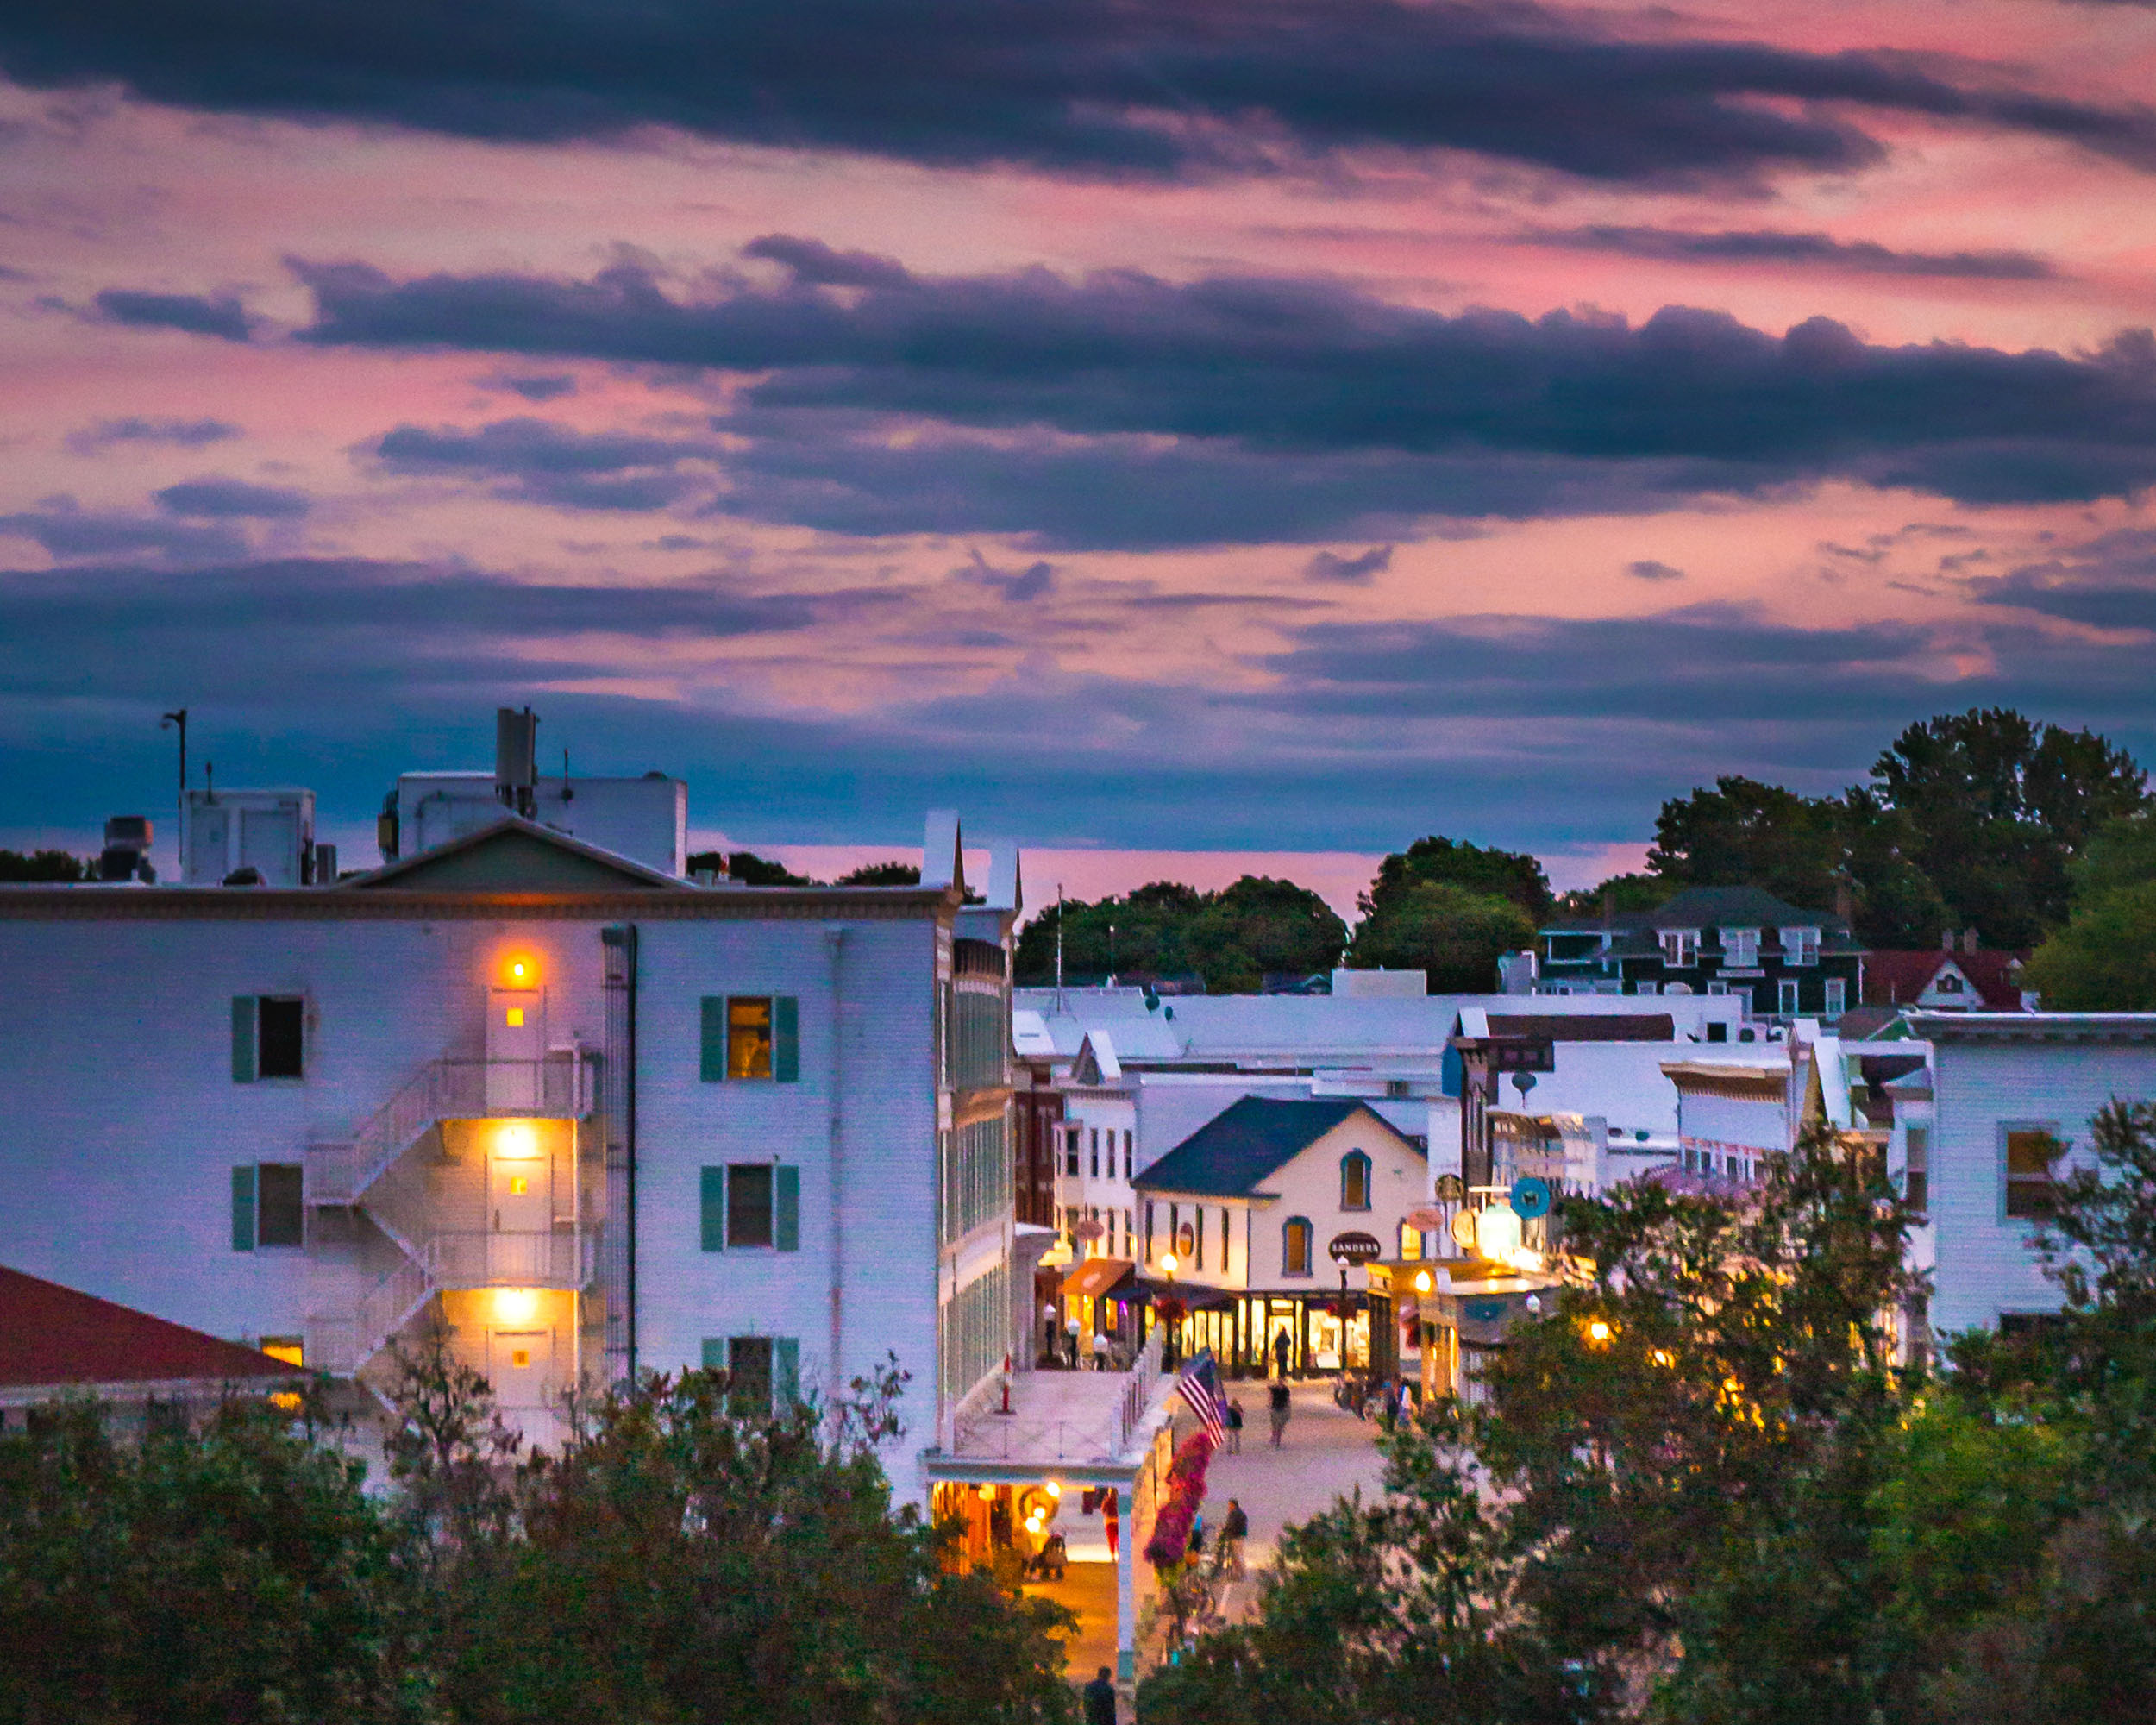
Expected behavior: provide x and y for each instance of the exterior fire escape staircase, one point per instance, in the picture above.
(379, 1173)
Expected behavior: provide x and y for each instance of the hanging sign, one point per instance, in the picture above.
(1464, 1230)
(1530, 1197)
(1451, 1189)
(1354, 1248)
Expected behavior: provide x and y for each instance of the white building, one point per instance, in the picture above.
(595, 1119)
(2007, 1087)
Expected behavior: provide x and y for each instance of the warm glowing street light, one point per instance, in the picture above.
(1598, 1331)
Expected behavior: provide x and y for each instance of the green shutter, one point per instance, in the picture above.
(243, 1017)
(786, 1372)
(243, 1208)
(714, 1062)
(714, 1199)
(786, 1039)
(785, 1207)
(714, 1353)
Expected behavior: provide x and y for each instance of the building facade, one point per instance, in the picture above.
(593, 1120)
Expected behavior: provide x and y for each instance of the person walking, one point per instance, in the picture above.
(1100, 1700)
(1235, 1427)
(1280, 1353)
(1235, 1527)
(1279, 1409)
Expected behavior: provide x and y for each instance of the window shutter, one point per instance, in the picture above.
(786, 1372)
(243, 1016)
(785, 1207)
(714, 1208)
(243, 1208)
(713, 1068)
(714, 1353)
(786, 1039)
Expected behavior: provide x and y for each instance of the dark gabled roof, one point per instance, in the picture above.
(1709, 908)
(51, 1335)
(1233, 1152)
(513, 855)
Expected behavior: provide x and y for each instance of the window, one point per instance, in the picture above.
(1355, 1181)
(1917, 1180)
(747, 1204)
(1070, 1159)
(1740, 948)
(1126, 1152)
(751, 1037)
(1186, 1243)
(1410, 1242)
(1149, 1229)
(1947, 983)
(1647, 988)
(1095, 1164)
(287, 1350)
(1680, 947)
(1295, 1246)
(1717, 1032)
(1785, 992)
(1223, 1240)
(267, 1206)
(765, 1372)
(1837, 997)
(1800, 946)
(2030, 1151)
(269, 1036)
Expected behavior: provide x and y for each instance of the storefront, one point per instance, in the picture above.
(1465, 1319)
(1099, 1295)
(1322, 1332)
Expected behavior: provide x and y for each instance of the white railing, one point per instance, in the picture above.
(557, 1087)
(505, 1260)
(1138, 1391)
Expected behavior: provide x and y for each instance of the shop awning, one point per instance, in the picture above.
(1195, 1296)
(1096, 1276)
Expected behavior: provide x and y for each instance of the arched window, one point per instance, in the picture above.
(1295, 1246)
(1355, 1181)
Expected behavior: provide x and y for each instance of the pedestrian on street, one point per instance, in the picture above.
(1235, 1427)
(1280, 1354)
(1235, 1527)
(1100, 1700)
(1279, 1409)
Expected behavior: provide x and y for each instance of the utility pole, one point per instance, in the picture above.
(179, 827)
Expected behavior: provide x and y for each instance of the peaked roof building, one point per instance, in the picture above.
(54, 1340)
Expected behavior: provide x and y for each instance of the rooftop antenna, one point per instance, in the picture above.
(179, 831)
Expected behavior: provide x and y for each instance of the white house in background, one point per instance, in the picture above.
(2004, 1087)
(592, 1117)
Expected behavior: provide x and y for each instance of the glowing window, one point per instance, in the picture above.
(2030, 1151)
(516, 1018)
(748, 1036)
(287, 1350)
(518, 1185)
(520, 1357)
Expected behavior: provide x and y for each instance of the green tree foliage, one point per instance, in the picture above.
(2104, 958)
(17, 869)
(892, 874)
(1489, 873)
(1999, 805)
(1453, 936)
(1617, 892)
(746, 868)
(685, 1561)
(1232, 938)
(231, 1575)
(1746, 833)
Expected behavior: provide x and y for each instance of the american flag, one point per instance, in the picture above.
(1199, 1384)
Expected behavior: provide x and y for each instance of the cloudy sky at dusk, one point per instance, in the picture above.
(1204, 427)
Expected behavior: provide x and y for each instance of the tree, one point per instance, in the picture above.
(746, 868)
(1619, 892)
(233, 1573)
(1744, 833)
(2104, 958)
(686, 1560)
(1454, 937)
(892, 874)
(1501, 874)
(40, 866)
(1232, 939)
(1999, 806)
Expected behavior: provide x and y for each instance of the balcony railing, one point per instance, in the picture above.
(508, 1260)
(557, 1087)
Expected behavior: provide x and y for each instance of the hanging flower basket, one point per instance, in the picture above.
(1168, 1309)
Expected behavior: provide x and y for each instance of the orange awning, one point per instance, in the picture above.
(1097, 1277)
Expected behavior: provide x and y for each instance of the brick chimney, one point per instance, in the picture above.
(1968, 940)
(1946, 941)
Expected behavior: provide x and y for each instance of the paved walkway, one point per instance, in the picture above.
(1325, 1453)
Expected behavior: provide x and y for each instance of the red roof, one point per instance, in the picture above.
(1897, 979)
(52, 1334)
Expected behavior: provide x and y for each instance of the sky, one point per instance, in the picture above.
(1183, 436)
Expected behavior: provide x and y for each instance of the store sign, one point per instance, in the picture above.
(1451, 1189)
(1354, 1248)
(1425, 1219)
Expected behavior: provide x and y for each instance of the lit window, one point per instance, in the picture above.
(516, 1018)
(2030, 1153)
(518, 1185)
(748, 1036)
(520, 1357)
(287, 1350)
(1295, 1247)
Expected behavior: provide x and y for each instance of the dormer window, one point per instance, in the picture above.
(1800, 946)
(1680, 947)
(1741, 947)
(1948, 983)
